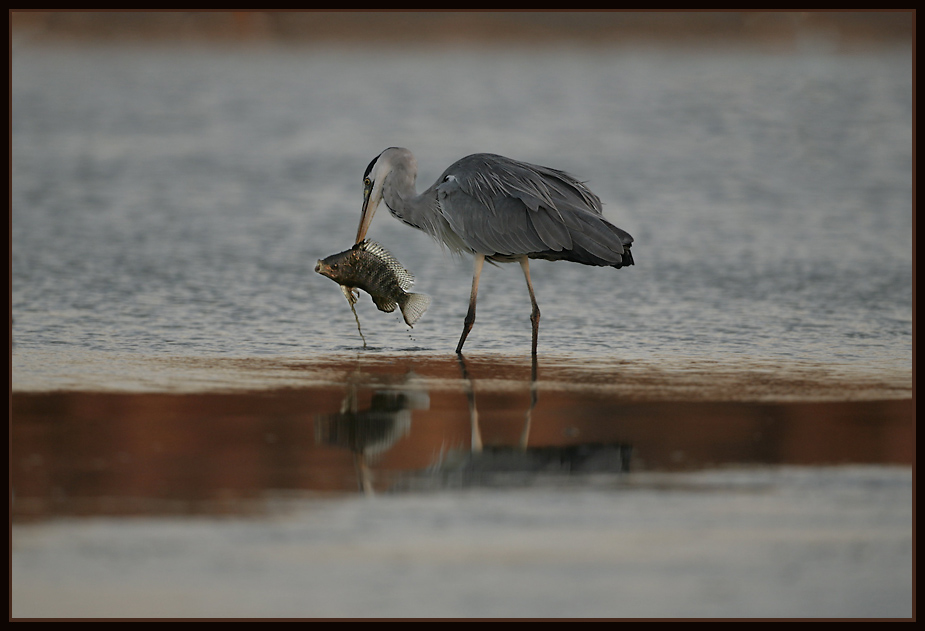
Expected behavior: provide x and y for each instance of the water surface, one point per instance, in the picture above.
(725, 429)
(173, 201)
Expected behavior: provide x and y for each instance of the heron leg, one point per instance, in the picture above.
(535, 314)
(470, 315)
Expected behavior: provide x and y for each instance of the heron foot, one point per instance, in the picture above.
(467, 326)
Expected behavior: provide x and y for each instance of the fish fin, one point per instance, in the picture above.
(403, 276)
(414, 307)
(350, 293)
(384, 303)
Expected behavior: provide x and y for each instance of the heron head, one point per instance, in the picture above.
(391, 160)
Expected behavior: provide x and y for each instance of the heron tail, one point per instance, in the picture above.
(413, 307)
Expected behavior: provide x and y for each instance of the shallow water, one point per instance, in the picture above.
(725, 429)
(173, 201)
(398, 423)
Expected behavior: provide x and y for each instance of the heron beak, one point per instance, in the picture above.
(370, 204)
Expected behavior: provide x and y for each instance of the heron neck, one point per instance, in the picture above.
(404, 203)
(420, 211)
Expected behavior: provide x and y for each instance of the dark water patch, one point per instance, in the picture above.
(389, 425)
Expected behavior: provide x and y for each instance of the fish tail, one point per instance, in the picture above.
(413, 307)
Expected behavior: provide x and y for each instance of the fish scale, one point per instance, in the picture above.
(372, 268)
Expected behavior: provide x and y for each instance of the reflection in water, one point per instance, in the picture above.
(525, 435)
(473, 409)
(502, 463)
(474, 412)
(512, 466)
(476, 420)
(369, 433)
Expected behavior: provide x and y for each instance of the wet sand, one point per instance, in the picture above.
(730, 378)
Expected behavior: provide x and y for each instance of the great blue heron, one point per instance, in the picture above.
(498, 209)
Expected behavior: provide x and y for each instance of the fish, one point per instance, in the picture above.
(372, 268)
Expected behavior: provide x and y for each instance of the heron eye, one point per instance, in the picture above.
(366, 181)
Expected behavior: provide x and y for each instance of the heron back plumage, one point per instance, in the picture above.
(505, 209)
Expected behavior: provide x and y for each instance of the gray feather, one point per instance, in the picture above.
(504, 209)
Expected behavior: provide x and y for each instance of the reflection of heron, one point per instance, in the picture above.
(496, 464)
(497, 209)
(373, 431)
(476, 441)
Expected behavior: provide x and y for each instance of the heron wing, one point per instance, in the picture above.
(502, 206)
